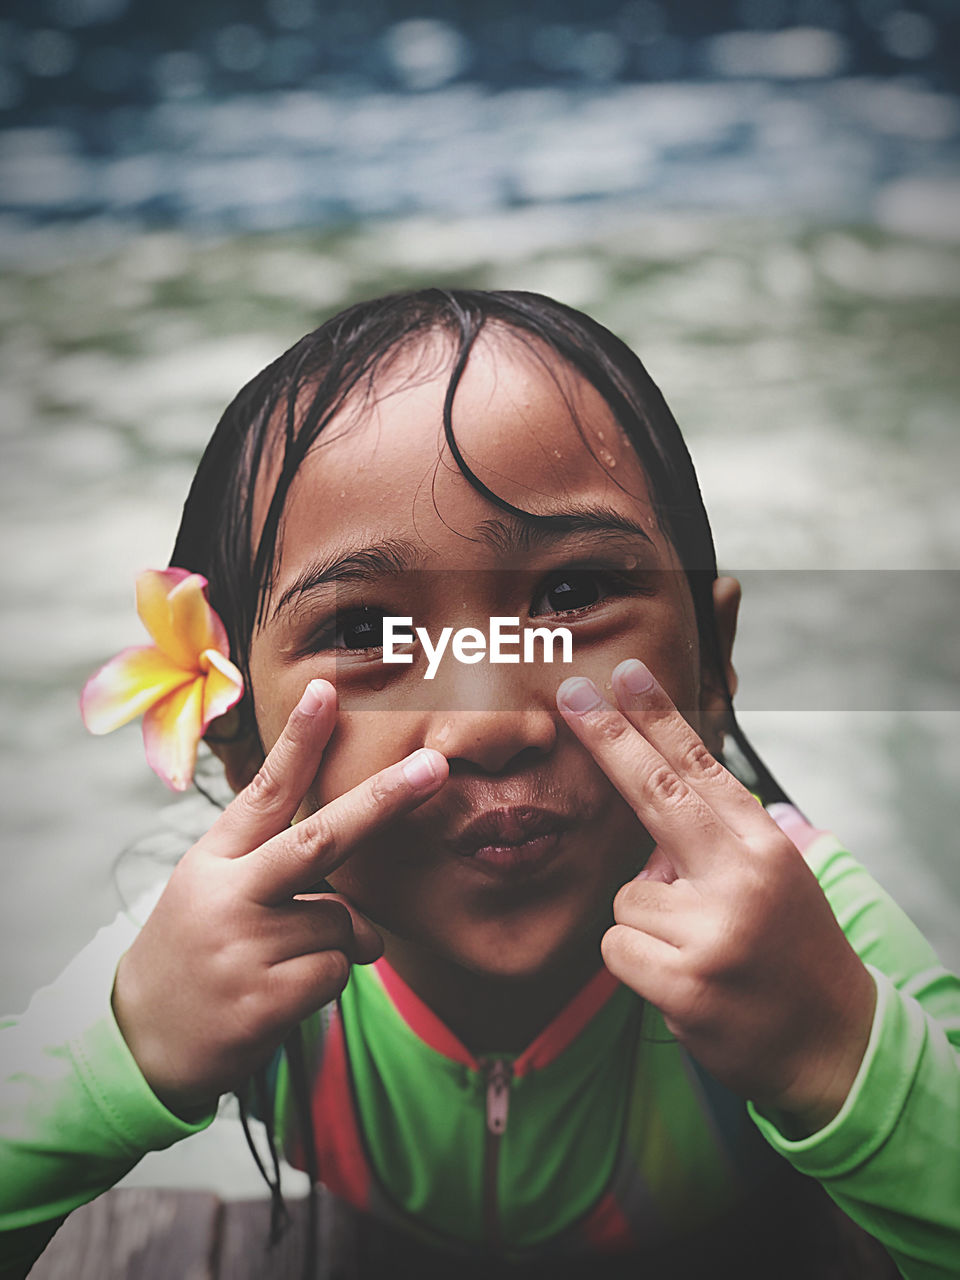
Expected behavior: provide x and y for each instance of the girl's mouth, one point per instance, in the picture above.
(512, 841)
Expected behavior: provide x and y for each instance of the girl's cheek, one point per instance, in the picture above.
(362, 744)
(672, 657)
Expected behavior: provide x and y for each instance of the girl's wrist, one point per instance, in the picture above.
(820, 1091)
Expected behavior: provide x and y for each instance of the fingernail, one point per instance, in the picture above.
(313, 697)
(579, 695)
(635, 676)
(420, 771)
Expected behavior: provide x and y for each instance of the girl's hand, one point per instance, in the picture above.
(726, 929)
(231, 959)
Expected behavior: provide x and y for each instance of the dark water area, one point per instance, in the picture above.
(88, 55)
(284, 113)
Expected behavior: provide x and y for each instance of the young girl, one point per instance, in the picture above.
(507, 957)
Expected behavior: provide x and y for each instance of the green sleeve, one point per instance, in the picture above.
(891, 1157)
(76, 1113)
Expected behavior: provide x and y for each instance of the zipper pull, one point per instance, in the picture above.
(499, 1074)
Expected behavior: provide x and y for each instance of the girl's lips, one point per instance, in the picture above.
(511, 841)
(517, 859)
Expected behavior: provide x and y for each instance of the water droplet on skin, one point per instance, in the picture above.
(601, 436)
(607, 458)
(343, 493)
(557, 453)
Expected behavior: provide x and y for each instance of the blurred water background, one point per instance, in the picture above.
(762, 196)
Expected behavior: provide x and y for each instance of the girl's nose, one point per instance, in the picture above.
(490, 738)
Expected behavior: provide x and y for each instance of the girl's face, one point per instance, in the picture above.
(380, 521)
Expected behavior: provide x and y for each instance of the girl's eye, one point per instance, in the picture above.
(358, 629)
(572, 589)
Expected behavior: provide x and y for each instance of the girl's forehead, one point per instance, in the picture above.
(531, 428)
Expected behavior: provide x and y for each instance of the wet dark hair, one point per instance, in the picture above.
(277, 417)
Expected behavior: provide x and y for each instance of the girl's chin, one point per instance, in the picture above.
(538, 957)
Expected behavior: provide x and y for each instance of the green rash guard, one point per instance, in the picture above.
(76, 1114)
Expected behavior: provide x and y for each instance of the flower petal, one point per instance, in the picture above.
(128, 685)
(193, 618)
(173, 606)
(223, 685)
(171, 732)
(153, 591)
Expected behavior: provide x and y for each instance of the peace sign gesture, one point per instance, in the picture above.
(238, 950)
(726, 929)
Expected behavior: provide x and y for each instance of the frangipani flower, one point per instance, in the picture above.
(179, 684)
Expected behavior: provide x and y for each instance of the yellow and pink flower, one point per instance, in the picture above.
(179, 684)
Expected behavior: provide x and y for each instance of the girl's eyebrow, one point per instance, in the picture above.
(388, 558)
(513, 536)
(509, 536)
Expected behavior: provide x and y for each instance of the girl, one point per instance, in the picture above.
(507, 957)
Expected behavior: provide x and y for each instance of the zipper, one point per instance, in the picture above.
(497, 1074)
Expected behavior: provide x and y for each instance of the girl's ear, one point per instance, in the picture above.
(240, 755)
(726, 606)
(713, 701)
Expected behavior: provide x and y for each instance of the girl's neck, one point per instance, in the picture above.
(492, 1014)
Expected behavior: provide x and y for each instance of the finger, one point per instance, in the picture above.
(365, 944)
(679, 819)
(649, 709)
(266, 806)
(658, 867)
(296, 859)
(305, 983)
(657, 910)
(647, 965)
(300, 928)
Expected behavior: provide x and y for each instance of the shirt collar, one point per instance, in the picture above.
(556, 1036)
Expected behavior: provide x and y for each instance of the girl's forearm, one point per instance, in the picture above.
(76, 1113)
(890, 1157)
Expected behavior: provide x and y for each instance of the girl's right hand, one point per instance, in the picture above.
(230, 960)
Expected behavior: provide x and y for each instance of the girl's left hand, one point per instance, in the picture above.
(726, 930)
